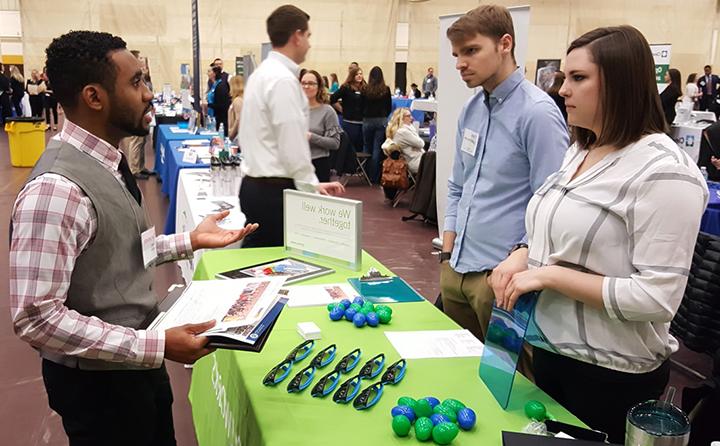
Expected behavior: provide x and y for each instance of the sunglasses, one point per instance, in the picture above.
(371, 395)
(327, 384)
(304, 377)
(350, 388)
(278, 373)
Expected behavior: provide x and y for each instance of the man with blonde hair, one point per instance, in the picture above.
(510, 137)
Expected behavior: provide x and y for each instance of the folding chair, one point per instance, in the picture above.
(361, 159)
(400, 193)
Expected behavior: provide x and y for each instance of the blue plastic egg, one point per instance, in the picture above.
(466, 418)
(437, 418)
(350, 314)
(432, 400)
(359, 300)
(337, 313)
(359, 320)
(345, 303)
(372, 319)
(404, 410)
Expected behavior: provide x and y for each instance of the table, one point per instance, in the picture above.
(689, 136)
(173, 164)
(231, 406)
(195, 201)
(711, 218)
(417, 115)
(164, 136)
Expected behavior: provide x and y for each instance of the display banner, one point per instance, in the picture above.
(661, 56)
(196, 56)
(326, 227)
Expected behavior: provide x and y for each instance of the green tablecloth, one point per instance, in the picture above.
(231, 406)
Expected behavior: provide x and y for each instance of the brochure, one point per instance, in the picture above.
(290, 269)
(249, 337)
(232, 303)
(316, 295)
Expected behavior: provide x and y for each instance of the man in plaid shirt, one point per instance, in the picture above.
(80, 276)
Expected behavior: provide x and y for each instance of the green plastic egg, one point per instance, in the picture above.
(383, 314)
(365, 310)
(445, 410)
(423, 409)
(535, 410)
(409, 402)
(454, 404)
(331, 306)
(445, 433)
(386, 307)
(356, 307)
(401, 425)
(369, 304)
(423, 428)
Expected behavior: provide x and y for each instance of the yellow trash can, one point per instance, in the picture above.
(26, 137)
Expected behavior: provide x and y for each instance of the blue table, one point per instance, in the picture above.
(173, 164)
(711, 218)
(164, 137)
(418, 115)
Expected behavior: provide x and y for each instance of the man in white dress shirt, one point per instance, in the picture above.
(274, 129)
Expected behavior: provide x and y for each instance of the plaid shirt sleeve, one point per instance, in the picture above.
(173, 247)
(53, 222)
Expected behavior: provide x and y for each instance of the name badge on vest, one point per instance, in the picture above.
(469, 142)
(149, 249)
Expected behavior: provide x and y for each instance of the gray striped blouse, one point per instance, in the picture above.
(632, 218)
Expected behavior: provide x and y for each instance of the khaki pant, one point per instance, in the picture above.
(134, 149)
(468, 299)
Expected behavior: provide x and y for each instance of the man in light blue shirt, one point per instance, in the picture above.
(510, 138)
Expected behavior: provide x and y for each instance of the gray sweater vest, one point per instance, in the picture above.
(109, 280)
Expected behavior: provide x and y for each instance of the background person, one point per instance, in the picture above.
(671, 94)
(414, 91)
(334, 85)
(554, 92)
(430, 83)
(50, 103)
(237, 89)
(611, 238)
(692, 93)
(403, 136)
(35, 88)
(708, 85)
(221, 101)
(376, 106)
(274, 127)
(324, 132)
(5, 96)
(348, 101)
(80, 287)
(17, 83)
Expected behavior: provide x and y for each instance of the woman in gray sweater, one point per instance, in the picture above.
(324, 134)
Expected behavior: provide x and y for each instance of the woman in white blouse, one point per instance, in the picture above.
(403, 136)
(692, 92)
(611, 237)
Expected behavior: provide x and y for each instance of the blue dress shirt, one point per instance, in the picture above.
(508, 143)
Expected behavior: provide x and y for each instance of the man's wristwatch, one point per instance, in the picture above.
(445, 256)
(516, 247)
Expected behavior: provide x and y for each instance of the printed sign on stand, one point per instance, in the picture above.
(661, 56)
(324, 227)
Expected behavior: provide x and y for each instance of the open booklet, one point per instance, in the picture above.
(244, 309)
